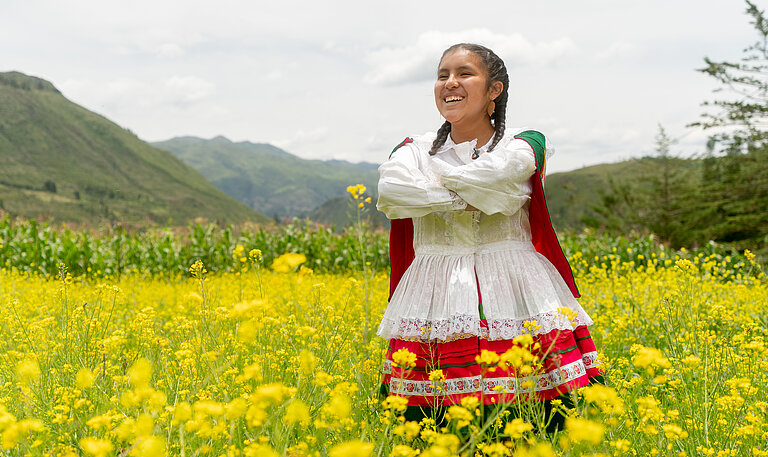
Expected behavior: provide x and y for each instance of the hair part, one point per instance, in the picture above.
(497, 71)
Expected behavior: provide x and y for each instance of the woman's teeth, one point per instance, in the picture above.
(453, 99)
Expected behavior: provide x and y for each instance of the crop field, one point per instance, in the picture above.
(224, 344)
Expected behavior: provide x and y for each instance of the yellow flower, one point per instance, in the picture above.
(236, 408)
(255, 255)
(532, 326)
(691, 361)
(339, 405)
(459, 414)
(436, 376)
(288, 262)
(273, 392)
(517, 428)
(580, 429)
(84, 378)
(409, 429)
(395, 403)
(322, 378)
(140, 373)
(28, 371)
(605, 397)
(304, 271)
(674, 432)
(685, 265)
(403, 450)
(487, 358)
(470, 402)
(524, 340)
(96, 447)
(356, 191)
(355, 448)
(297, 412)
(198, 270)
(182, 412)
(246, 308)
(648, 358)
(537, 450)
(404, 358)
(495, 449)
(151, 446)
(259, 450)
(209, 408)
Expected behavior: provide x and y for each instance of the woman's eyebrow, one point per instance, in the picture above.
(461, 68)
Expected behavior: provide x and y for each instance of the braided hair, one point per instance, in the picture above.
(497, 71)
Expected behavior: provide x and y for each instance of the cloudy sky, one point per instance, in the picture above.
(350, 79)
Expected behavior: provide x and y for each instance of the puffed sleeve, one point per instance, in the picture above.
(405, 191)
(497, 181)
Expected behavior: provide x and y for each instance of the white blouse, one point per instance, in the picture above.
(456, 250)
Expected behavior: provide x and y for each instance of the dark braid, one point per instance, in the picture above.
(442, 135)
(497, 71)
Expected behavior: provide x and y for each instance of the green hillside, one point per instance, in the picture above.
(571, 194)
(65, 163)
(267, 178)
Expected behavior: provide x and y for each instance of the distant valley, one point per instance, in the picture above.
(273, 181)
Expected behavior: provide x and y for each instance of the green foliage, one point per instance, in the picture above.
(34, 247)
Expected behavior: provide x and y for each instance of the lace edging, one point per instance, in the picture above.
(462, 326)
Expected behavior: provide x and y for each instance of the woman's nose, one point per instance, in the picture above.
(451, 82)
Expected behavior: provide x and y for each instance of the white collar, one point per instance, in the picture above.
(466, 148)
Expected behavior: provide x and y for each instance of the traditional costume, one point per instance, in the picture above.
(467, 281)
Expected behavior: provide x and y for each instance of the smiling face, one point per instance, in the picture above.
(462, 92)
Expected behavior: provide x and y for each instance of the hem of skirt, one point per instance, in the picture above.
(493, 399)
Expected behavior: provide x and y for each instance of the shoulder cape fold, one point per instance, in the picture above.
(402, 143)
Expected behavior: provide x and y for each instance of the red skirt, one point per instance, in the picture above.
(566, 361)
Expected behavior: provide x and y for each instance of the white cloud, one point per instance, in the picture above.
(169, 50)
(618, 49)
(135, 94)
(418, 61)
(183, 90)
(303, 138)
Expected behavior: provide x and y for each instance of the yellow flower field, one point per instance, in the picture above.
(286, 362)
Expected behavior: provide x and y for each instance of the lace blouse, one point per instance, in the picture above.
(459, 252)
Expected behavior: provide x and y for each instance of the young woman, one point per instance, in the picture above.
(475, 261)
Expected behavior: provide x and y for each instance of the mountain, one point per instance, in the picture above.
(571, 194)
(65, 163)
(268, 178)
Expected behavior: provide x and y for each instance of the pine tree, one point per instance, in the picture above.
(735, 172)
(656, 201)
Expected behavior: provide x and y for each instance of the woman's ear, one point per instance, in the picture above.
(497, 87)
